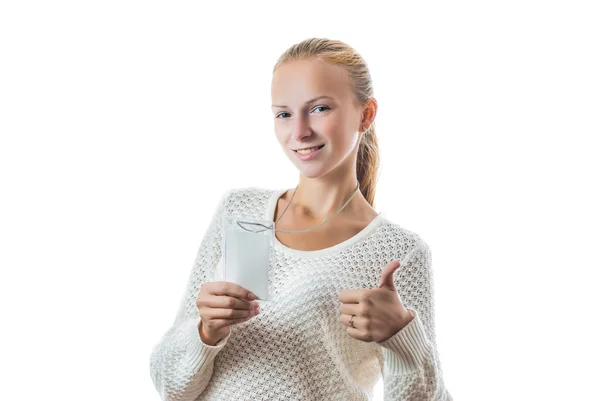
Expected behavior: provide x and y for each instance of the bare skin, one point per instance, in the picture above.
(335, 231)
(222, 304)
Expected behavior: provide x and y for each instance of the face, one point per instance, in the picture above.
(301, 121)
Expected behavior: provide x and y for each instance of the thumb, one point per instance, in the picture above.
(387, 275)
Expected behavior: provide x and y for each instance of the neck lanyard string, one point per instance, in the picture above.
(272, 226)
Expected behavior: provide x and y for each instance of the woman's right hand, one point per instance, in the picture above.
(222, 304)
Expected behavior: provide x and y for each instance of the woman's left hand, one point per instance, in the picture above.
(379, 314)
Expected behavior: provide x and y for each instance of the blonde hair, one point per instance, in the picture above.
(339, 53)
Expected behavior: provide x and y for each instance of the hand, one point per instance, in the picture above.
(379, 314)
(222, 304)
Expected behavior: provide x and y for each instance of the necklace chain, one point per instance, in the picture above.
(326, 220)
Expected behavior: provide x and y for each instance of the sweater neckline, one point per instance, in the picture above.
(270, 215)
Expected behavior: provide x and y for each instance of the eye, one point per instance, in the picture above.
(322, 107)
(318, 107)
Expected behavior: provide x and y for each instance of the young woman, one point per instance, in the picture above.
(353, 296)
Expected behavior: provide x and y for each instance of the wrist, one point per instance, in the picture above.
(206, 338)
(407, 317)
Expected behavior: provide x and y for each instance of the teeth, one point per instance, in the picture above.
(307, 151)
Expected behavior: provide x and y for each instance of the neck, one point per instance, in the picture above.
(321, 197)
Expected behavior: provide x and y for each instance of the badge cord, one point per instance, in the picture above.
(272, 226)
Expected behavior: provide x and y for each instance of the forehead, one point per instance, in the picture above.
(297, 81)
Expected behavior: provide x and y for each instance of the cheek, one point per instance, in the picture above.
(343, 143)
(336, 131)
(280, 137)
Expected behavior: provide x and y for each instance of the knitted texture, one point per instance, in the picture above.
(296, 348)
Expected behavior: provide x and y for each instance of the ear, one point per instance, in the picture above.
(368, 114)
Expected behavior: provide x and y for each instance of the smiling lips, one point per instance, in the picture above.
(309, 147)
(307, 154)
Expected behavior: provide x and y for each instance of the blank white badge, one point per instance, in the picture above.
(247, 244)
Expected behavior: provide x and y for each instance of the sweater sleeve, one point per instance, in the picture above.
(181, 365)
(412, 369)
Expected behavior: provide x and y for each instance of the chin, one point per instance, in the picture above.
(311, 171)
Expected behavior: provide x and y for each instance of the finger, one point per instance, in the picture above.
(227, 302)
(231, 289)
(351, 296)
(387, 275)
(220, 313)
(351, 309)
(358, 334)
(358, 321)
(220, 323)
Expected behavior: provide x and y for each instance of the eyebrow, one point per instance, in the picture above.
(309, 101)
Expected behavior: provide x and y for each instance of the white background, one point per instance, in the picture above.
(122, 123)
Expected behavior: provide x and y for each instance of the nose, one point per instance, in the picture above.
(301, 129)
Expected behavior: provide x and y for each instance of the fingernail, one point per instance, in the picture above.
(251, 296)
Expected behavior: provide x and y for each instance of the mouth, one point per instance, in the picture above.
(308, 150)
(308, 154)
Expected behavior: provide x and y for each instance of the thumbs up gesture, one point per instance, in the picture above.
(376, 314)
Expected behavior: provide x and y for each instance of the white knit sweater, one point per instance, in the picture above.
(296, 348)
